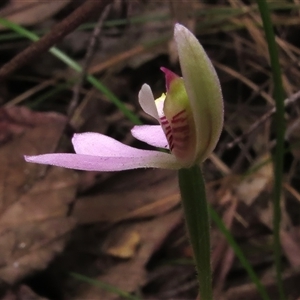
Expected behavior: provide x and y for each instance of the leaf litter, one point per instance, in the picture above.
(23, 292)
(33, 210)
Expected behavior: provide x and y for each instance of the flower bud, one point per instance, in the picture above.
(203, 90)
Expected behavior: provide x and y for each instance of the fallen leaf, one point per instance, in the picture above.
(122, 244)
(249, 291)
(258, 180)
(23, 292)
(31, 12)
(131, 274)
(130, 195)
(291, 245)
(257, 187)
(33, 208)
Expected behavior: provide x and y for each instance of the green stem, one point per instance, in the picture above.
(194, 202)
(280, 127)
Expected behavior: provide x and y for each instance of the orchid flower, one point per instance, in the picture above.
(190, 117)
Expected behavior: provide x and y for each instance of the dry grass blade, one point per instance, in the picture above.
(295, 97)
(245, 80)
(22, 97)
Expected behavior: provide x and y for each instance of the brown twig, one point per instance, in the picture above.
(76, 18)
(87, 60)
(263, 119)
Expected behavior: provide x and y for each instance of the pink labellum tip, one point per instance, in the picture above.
(170, 76)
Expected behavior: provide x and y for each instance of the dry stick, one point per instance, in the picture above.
(263, 119)
(244, 153)
(30, 92)
(179, 289)
(57, 33)
(123, 56)
(87, 60)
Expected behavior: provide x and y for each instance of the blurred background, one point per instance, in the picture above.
(70, 235)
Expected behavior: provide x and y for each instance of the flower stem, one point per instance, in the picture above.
(195, 207)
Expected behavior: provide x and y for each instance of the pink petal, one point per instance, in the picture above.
(97, 144)
(150, 134)
(147, 101)
(141, 159)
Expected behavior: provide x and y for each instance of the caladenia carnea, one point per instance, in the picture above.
(190, 117)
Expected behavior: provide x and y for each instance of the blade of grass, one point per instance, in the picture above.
(105, 286)
(280, 129)
(74, 65)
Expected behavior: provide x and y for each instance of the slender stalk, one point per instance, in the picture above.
(280, 128)
(194, 202)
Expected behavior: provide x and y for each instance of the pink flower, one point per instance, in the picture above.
(190, 115)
